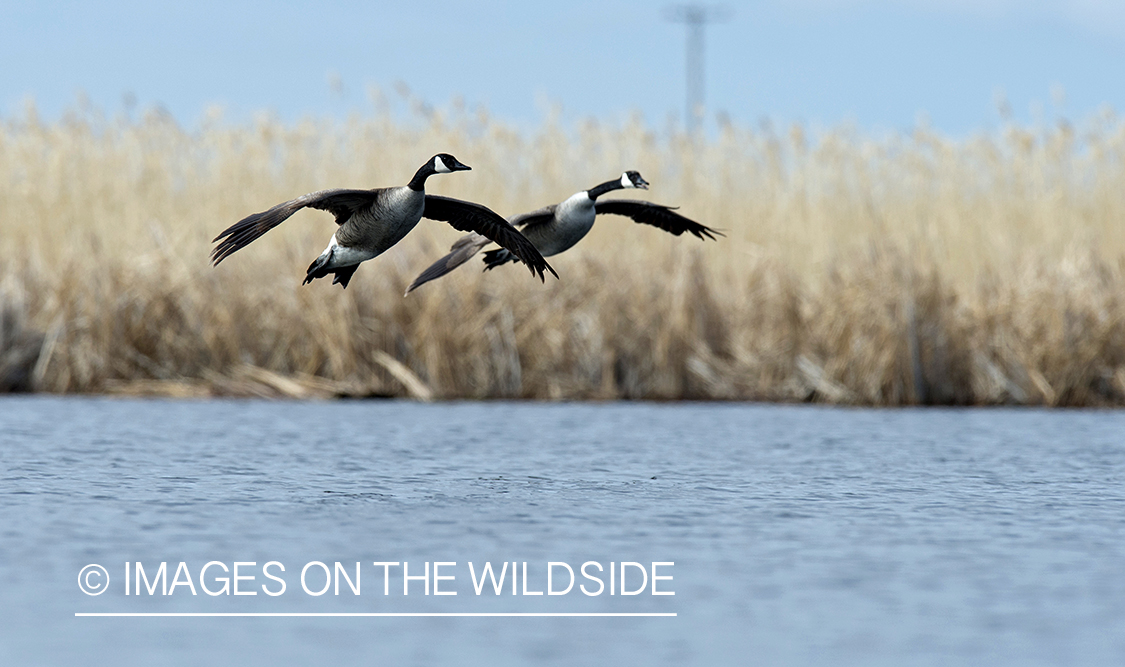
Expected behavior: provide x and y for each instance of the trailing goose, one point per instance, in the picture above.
(371, 221)
(557, 227)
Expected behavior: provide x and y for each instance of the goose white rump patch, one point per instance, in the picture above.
(345, 256)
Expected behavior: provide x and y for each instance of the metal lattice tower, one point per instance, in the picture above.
(695, 17)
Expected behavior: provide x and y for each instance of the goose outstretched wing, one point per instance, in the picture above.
(462, 251)
(340, 202)
(656, 215)
(469, 217)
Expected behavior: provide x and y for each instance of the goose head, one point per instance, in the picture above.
(632, 179)
(444, 163)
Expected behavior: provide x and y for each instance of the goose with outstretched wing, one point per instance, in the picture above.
(371, 221)
(558, 227)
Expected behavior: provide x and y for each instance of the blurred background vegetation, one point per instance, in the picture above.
(904, 268)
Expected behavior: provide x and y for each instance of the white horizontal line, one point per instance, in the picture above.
(372, 614)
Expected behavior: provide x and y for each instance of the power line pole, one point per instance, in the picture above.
(695, 17)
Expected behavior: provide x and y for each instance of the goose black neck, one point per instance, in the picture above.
(600, 190)
(418, 183)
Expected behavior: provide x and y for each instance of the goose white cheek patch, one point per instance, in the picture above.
(440, 167)
(625, 182)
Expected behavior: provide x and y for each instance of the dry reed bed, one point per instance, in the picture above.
(904, 269)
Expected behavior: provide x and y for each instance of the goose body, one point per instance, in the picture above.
(564, 224)
(556, 228)
(372, 221)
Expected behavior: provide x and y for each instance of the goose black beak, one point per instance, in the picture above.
(460, 167)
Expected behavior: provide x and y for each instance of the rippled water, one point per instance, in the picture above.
(799, 535)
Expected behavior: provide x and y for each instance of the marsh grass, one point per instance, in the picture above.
(903, 269)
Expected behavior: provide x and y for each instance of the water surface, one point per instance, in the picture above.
(800, 535)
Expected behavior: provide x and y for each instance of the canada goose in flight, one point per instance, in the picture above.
(557, 227)
(371, 221)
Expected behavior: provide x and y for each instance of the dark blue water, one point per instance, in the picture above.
(799, 535)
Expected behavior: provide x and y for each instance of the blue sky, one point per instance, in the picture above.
(875, 63)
